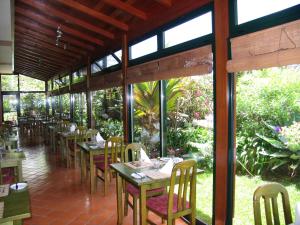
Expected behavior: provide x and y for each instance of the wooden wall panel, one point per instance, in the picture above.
(194, 62)
(276, 46)
(105, 81)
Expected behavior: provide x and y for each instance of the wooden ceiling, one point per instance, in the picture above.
(90, 28)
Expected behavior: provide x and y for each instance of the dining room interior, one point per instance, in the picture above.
(149, 112)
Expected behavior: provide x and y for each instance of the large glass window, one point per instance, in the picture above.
(146, 115)
(189, 102)
(33, 104)
(9, 104)
(107, 111)
(49, 85)
(56, 106)
(144, 48)
(64, 81)
(80, 108)
(267, 136)
(80, 75)
(250, 10)
(197, 27)
(9, 82)
(65, 103)
(31, 84)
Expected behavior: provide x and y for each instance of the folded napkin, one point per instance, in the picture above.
(297, 214)
(167, 168)
(72, 128)
(99, 138)
(138, 175)
(144, 157)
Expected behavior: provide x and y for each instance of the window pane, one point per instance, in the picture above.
(64, 81)
(95, 68)
(189, 30)
(267, 137)
(10, 103)
(49, 85)
(144, 48)
(80, 110)
(146, 115)
(119, 54)
(31, 84)
(55, 83)
(56, 106)
(65, 102)
(107, 111)
(190, 132)
(33, 104)
(250, 10)
(111, 61)
(9, 82)
(80, 75)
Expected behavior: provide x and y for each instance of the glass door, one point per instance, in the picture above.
(10, 108)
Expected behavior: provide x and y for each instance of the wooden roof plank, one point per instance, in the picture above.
(93, 13)
(127, 8)
(167, 3)
(66, 17)
(55, 24)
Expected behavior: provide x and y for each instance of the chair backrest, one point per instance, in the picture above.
(183, 173)
(269, 192)
(91, 134)
(114, 150)
(134, 149)
(81, 134)
(65, 125)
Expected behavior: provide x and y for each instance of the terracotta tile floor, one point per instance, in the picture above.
(59, 198)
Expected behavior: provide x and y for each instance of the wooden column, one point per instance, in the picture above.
(222, 107)
(47, 97)
(90, 124)
(1, 105)
(125, 86)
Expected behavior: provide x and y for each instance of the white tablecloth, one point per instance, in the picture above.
(297, 214)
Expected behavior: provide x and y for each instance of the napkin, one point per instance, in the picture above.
(72, 128)
(99, 138)
(297, 215)
(144, 157)
(167, 168)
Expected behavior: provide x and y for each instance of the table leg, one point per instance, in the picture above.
(20, 171)
(143, 210)
(119, 199)
(67, 152)
(82, 165)
(92, 173)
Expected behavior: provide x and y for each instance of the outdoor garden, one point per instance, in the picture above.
(267, 130)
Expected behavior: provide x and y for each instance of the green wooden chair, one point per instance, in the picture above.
(269, 192)
(180, 201)
(113, 153)
(91, 134)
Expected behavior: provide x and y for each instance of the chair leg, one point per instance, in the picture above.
(193, 217)
(126, 203)
(170, 221)
(135, 210)
(105, 182)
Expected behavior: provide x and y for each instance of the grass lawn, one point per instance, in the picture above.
(245, 187)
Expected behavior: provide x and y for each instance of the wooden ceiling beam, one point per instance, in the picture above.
(44, 38)
(37, 58)
(54, 24)
(93, 13)
(68, 18)
(47, 54)
(34, 63)
(48, 41)
(39, 28)
(29, 67)
(44, 46)
(33, 74)
(167, 3)
(127, 8)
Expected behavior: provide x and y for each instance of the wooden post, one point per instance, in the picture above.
(221, 12)
(125, 86)
(88, 96)
(1, 105)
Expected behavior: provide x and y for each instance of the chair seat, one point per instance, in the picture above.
(101, 165)
(71, 145)
(8, 175)
(159, 204)
(134, 191)
(100, 158)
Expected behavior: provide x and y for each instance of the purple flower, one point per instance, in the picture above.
(277, 129)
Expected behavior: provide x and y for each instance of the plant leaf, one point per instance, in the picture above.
(272, 141)
(282, 162)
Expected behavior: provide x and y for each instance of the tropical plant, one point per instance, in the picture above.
(286, 143)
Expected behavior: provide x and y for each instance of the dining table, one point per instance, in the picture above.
(66, 138)
(88, 150)
(13, 159)
(16, 207)
(124, 172)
